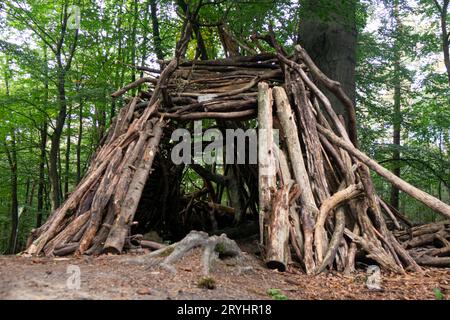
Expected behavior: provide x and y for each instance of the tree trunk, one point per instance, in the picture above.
(67, 155)
(157, 42)
(445, 35)
(11, 153)
(266, 159)
(327, 31)
(80, 140)
(397, 112)
(41, 183)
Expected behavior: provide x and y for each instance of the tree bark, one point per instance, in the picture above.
(397, 112)
(155, 29)
(67, 154)
(278, 230)
(266, 160)
(308, 205)
(11, 153)
(119, 230)
(327, 31)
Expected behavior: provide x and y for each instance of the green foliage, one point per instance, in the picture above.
(276, 294)
(438, 294)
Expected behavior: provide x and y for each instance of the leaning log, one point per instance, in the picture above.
(427, 199)
(120, 228)
(309, 207)
(266, 160)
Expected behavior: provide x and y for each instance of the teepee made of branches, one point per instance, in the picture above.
(315, 197)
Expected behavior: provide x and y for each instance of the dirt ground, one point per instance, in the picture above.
(128, 277)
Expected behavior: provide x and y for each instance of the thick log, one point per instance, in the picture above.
(428, 261)
(119, 231)
(278, 230)
(309, 207)
(66, 249)
(295, 232)
(404, 186)
(307, 122)
(423, 239)
(100, 201)
(69, 231)
(266, 159)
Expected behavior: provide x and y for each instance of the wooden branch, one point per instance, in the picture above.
(238, 115)
(414, 192)
(327, 206)
(338, 233)
(376, 252)
(133, 85)
(336, 88)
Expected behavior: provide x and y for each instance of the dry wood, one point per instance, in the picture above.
(266, 159)
(308, 204)
(404, 186)
(133, 85)
(327, 206)
(278, 230)
(119, 230)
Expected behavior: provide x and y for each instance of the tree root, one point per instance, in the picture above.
(214, 247)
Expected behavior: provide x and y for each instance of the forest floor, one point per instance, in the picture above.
(126, 277)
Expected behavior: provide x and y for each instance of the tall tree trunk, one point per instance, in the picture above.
(157, 42)
(445, 34)
(80, 140)
(53, 173)
(42, 151)
(67, 155)
(133, 43)
(145, 40)
(11, 153)
(41, 183)
(397, 112)
(117, 82)
(327, 31)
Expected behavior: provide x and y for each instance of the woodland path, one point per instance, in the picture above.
(111, 277)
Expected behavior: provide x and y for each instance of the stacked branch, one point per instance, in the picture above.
(429, 244)
(315, 200)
